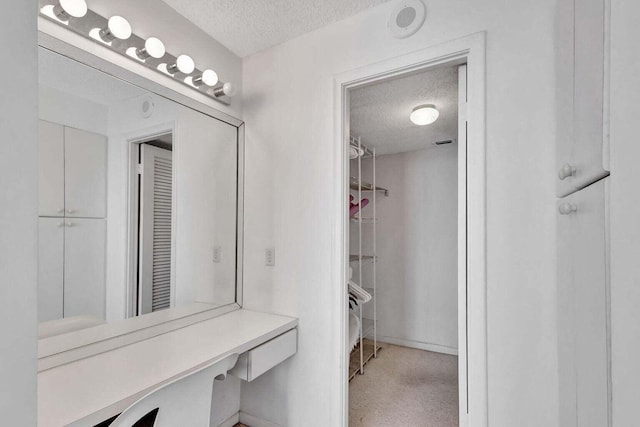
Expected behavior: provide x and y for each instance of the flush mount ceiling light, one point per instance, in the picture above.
(117, 28)
(65, 9)
(424, 114)
(117, 35)
(153, 48)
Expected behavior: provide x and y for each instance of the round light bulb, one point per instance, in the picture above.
(153, 47)
(229, 89)
(209, 77)
(119, 28)
(66, 8)
(185, 64)
(424, 114)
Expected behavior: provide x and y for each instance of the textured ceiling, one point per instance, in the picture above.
(69, 76)
(380, 112)
(249, 26)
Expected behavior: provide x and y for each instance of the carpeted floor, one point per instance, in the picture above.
(405, 387)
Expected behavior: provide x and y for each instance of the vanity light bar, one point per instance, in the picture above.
(116, 33)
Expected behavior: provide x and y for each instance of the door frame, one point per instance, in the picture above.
(472, 282)
(133, 141)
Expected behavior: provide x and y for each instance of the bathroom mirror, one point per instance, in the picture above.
(138, 202)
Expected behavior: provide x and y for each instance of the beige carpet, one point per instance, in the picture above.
(405, 387)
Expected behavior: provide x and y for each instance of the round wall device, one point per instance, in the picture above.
(406, 18)
(146, 106)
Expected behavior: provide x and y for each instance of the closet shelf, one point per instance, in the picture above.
(365, 186)
(356, 258)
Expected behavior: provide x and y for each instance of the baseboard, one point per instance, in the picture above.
(231, 421)
(252, 421)
(436, 348)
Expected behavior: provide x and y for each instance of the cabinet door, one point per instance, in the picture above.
(85, 174)
(583, 162)
(583, 308)
(50, 268)
(84, 267)
(50, 169)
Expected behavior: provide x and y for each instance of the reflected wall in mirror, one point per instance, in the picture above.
(138, 201)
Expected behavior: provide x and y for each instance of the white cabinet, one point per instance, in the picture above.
(84, 267)
(85, 174)
(583, 308)
(72, 172)
(582, 153)
(50, 268)
(51, 169)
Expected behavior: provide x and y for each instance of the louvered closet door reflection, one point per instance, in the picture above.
(155, 229)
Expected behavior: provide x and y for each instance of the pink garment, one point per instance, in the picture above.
(355, 207)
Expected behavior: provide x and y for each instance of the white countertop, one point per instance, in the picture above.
(100, 386)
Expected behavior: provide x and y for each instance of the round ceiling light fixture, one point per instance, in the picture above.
(406, 18)
(424, 114)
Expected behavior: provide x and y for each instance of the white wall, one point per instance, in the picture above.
(18, 217)
(63, 108)
(625, 211)
(417, 248)
(288, 107)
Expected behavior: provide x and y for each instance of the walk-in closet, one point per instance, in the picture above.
(403, 250)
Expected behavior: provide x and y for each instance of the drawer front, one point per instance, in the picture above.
(259, 360)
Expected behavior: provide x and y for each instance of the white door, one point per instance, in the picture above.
(85, 174)
(84, 267)
(50, 169)
(583, 308)
(154, 280)
(50, 268)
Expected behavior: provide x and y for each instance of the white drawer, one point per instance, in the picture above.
(259, 360)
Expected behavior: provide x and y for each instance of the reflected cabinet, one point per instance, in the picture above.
(72, 224)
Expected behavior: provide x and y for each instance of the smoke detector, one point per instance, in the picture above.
(406, 18)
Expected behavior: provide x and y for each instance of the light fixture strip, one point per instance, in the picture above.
(91, 21)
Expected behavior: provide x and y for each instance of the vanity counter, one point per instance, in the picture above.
(96, 388)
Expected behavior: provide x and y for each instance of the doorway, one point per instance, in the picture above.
(471, 242)
(151, 224)
(403, 248)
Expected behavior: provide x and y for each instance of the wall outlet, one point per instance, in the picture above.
(270, 257)
(217, 254)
